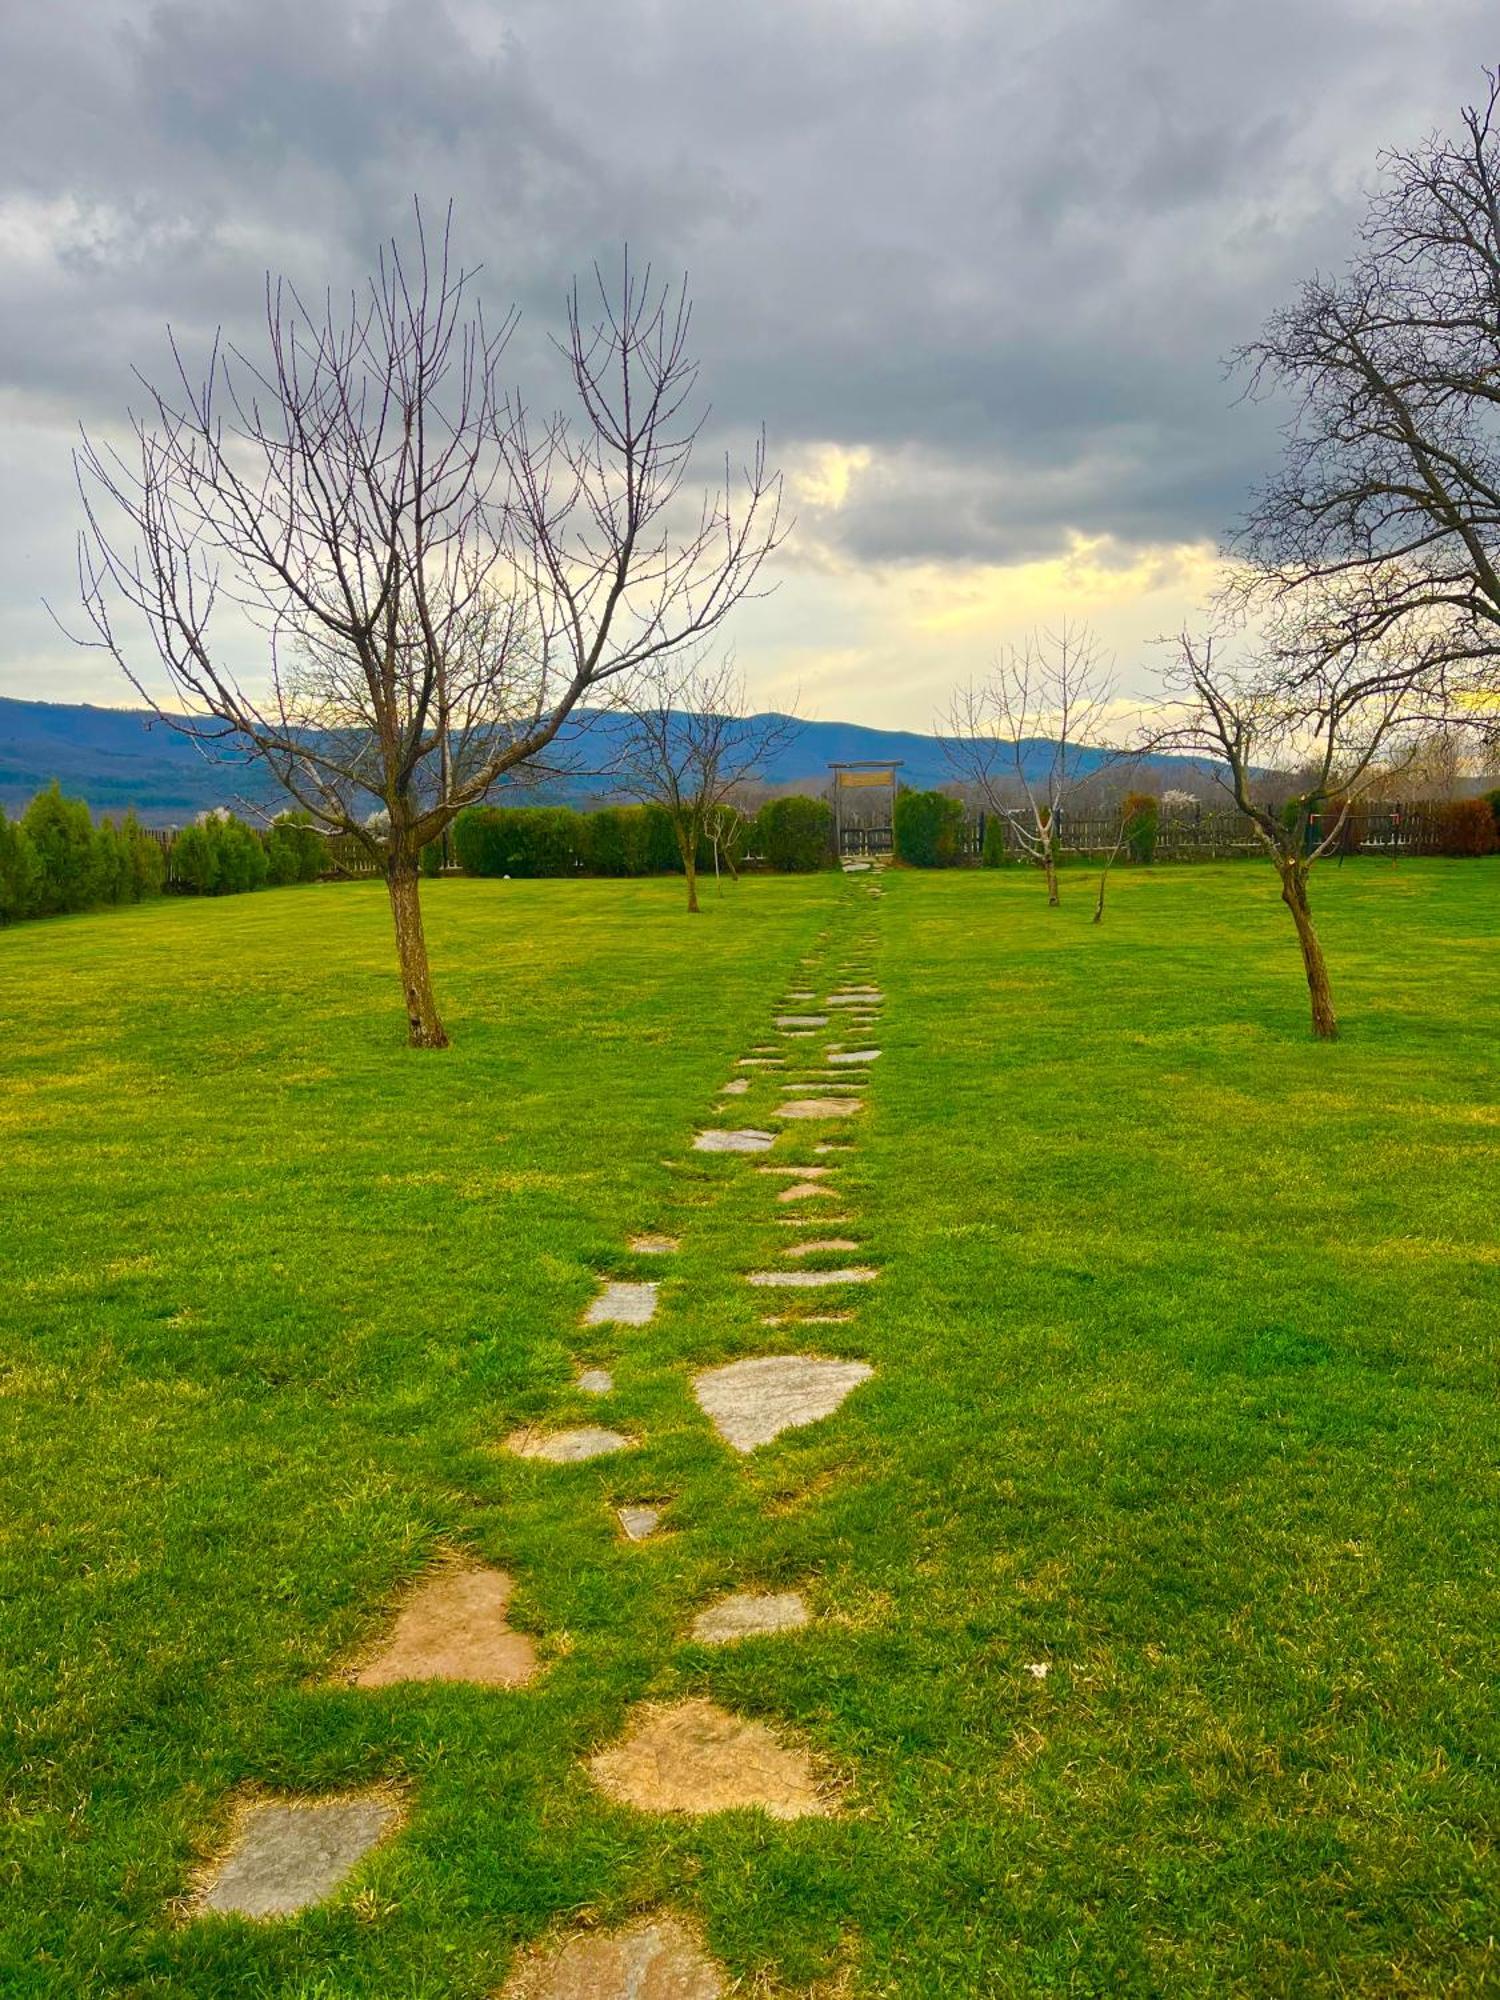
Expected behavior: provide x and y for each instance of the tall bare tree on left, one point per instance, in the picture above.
(438, 579)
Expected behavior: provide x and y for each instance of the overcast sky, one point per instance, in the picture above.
(974, 263)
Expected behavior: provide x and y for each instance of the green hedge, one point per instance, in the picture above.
(928, 829)
(55, 859)
(530, 841)
(795, 835)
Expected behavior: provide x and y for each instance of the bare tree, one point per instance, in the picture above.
(1343, 720)
(438, 578)
(1024, 733)
(1383, 522)
(692, 744)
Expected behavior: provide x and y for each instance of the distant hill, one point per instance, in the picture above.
(117, 758)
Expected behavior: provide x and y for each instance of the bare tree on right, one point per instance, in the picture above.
(1343, 721)
(1024, 737)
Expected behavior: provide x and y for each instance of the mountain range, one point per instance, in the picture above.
(118, 758)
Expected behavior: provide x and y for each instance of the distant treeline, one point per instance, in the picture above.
(57, 858)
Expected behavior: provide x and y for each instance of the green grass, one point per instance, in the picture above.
(1186, 1344)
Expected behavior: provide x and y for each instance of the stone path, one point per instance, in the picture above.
(657, 1958)
(734, 1142)
(453, 1628)
(629, 1301)
(286, 1857)
(687, 1756)
(695, 1757)
(567, 1447)
(749, 1615)
(751, 1402)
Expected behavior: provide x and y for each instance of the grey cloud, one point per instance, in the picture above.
(1003, 246)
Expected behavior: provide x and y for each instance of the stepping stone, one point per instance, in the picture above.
(624, 1301)
(804, 1190)
(596, 1381)
(751, 1402)
(797, 1173)
(638, 1522)
(797, 1280)
(806, 1319)
(749, 1615)
(830, 1146)
(695, 1757)
(567, 1447)
(734, 1142)
(851, 999)
(804, 995)
(820, 1243)
(822, 1220)
(845, 1056)
(736, 1086)
(818, 1107)
(826, 1086)
(655, 1958)
(758, 1062)
(653, 1246)
(453, 1628)
(802, 1020)
(285, 1858)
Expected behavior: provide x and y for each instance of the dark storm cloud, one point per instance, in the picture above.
(1002, 247)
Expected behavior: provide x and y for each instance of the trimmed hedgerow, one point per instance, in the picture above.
(1142, 821)
(56, 859)
(219, 857)
(795, 835)
(1464, 826)
(928, 829)
(295, 850)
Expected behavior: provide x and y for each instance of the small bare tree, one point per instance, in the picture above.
(691, 744)
(1342, 720)
(438, 579)
(1025, 734)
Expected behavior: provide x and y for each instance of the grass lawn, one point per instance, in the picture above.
(1186, 1342)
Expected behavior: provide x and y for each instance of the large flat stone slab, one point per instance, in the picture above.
(847, 1058)
(817, 1244)
(736, 1087)
(623, 1302)
(655, 1958)
(595, 1381)
(749, 1614)
(567, 1447)
(868, 999)
(802, 1020)
(817, 1107)
(288, 1856)
(695, 1757)
(453, 1628)
(638, 1522)
(858, 1274)
(653, 1246)
(750, 1402)
(805, 1190)
(747, 1141)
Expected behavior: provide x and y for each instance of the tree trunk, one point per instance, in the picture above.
(687, 848)
(1294, 895)
(424, 1029)
(1049, 862)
